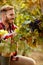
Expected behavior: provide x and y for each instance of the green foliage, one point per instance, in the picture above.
(24, 14)
(5, 46)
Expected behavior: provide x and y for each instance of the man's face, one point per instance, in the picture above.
(10, 16)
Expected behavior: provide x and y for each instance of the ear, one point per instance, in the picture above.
(3, 15)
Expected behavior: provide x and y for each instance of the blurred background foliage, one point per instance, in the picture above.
(27, 11)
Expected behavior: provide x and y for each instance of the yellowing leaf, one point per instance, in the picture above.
(2, 32)
(33, 12)
(23, 5)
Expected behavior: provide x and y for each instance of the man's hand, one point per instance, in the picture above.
(6, 36)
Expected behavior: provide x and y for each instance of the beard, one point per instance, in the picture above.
(9, 21)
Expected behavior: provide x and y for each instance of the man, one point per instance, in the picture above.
(7, 24)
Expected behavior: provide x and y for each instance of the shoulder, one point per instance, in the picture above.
(14, 26)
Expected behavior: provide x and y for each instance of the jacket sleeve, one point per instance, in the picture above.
(14, 27)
